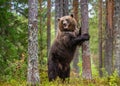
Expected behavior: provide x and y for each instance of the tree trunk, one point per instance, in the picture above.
(117, 35)
(75, 9)
(33, 73)
(48, 26)
(76, 56)
(76, 68)
(65, 7)
(100, 39)
(41, 35)
(86, 64)
(61, 9)
(56, 14)
(109, 37)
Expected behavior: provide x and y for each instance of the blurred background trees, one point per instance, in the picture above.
(13, 37)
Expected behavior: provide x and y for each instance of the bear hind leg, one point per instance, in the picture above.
(52, 71)
(65, 74)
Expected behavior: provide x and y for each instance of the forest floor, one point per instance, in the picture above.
(112, 80)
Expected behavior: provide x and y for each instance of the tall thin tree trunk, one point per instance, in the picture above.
(65, 7)
(75, 9)
(61, 9)
(86, 64)
(48, 25)
(100, 39)
(56, 14)
(109, 37)
(33, 73)
(40, 32)
(76, 56)
(117, 35)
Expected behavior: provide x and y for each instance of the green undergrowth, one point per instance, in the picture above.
(112, 80)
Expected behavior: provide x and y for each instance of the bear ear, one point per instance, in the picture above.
(58, 19)
(72, 15)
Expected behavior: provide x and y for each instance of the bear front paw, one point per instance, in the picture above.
(86, 36)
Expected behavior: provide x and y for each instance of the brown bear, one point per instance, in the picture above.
(63, 48)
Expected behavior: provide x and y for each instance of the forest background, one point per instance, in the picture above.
(103, 45)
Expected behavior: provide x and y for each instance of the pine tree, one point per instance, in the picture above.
(100, 38)
(48, 25)
(108, 59)
(117, 34)
(33, 73)
(86, 64)
(76, 56)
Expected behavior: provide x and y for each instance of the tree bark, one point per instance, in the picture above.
(56, 14)
(41, 35)
(75, 9)
(109, 37)
(100, 39)
(33, 73)
(76, 56)
(117, 34)
(48, 26)
(86, 64)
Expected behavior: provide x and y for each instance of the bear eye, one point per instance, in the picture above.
(61, 21)
(67, 20)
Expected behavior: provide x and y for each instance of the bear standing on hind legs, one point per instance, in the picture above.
(63, 48)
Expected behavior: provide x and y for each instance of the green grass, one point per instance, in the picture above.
(96, 81)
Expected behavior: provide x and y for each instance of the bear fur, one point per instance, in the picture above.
(63, 48)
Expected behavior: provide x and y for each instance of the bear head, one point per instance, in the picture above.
(67, 23)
